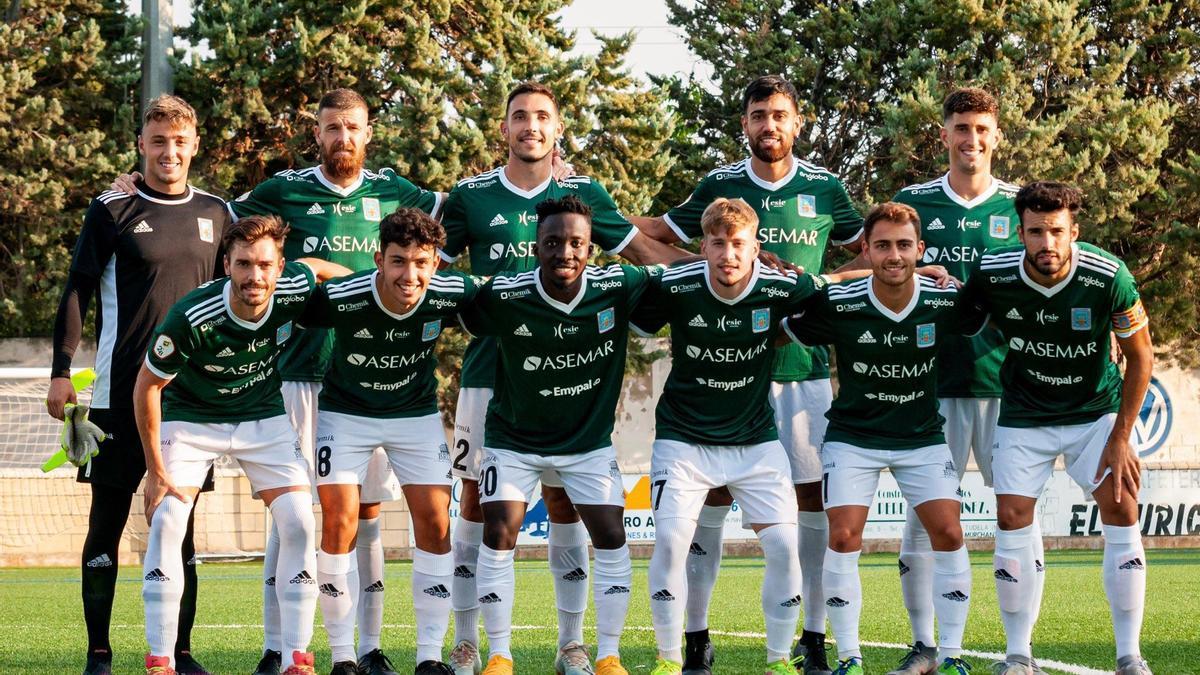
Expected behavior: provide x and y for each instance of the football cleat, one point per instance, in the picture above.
(953, 666)
(781, 667)
(432, 667)
(271, 663)
(159, 665)
(698, 653)
(1013, 664)
(498, 665)
(920, 660)
(302, 664)
(850, 666)
(464, 659)
(344, 668)
(573, 659)
(185, 664)
(809, 654)
(1132, 665)
(610, 665)
(99, 662)
(665, 667)
(375, 662)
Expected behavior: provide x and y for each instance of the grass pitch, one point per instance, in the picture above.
(41, 622)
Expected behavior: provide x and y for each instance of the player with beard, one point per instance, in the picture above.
(802, 208)
(494, 215)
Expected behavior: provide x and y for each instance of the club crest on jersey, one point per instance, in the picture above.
(926, 334)
(606, 319)
(1081, 318)
(760, 319)
(806, 205)
(371, 210)
(431, 330)
(283, 333)
(205, 225)
(998, 227)
(163, 347)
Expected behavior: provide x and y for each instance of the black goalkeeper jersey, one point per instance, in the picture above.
(138, 254)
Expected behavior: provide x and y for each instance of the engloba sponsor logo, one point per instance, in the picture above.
(726, 354)
(1052, 350)
(570, 360)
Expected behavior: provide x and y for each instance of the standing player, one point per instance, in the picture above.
(217, 349)
(1057, 301)
(801, 209)
(885, 331)
(380, 391)
(965, 212)
(139, 253)
(494, 215)
(561, 330)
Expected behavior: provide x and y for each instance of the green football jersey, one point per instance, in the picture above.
(223, 368)
(337, 224)
(956, 233)
(887, 362)
(721, 351)
(497, 222)
(383, 363)
(560, 365)
(1058, 368)
(797, 217)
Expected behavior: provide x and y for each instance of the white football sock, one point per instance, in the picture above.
(780, 589)
(431, 582)
(369, 551)
(1039, 564)
(813, 540)
(337, 603)
(1016, 578)
(463, 596)
(496, 582)
(703, 564)
(611, 592)
(668, 583)
(951, 599)
(162, 575)
(567, 552)
(916, 577)
(295, 575)
(271, 638)
(843, 597)
(1125, 585)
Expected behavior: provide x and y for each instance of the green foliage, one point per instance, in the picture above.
(67, 83)
(1100, 94)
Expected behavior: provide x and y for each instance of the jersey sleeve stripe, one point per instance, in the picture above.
(1087, 264)
(480, 177)
(1099, 261)
(158, 373)
(922, 186)
(736, 167)
(206, 316)
(851, 240)
(616, 250)
(357, 281)
(202, 307)
(675, 228)
(813, 168)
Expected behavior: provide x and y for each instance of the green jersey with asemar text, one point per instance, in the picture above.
(561, 364)
(887, 361)
(721, 351)
(497, 222)
(224, 369)
(383, 362)
(798, 216)
(956, 233)
(1058, 369)
(337, 224)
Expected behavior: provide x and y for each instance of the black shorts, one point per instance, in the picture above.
(121, 462)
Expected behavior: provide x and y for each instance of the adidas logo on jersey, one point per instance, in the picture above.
(142, 228)
(696, 549)
(867, 339)
(302, 578)
(836, 602)
(157, 575)
(316, 210)
(101, 560)
(698, 322)
(1135, 564)
(498, 220)
(376, 587)
(331, 591)
(576, 574)
(490, 598)
(904, 569)
(438, 591)
(463, 572)
(1013, 314)
(1003, 575)
(270, 581)
(937, 224)
(616, 590)
(791, 602)
(957, 596)
(224, 353)
(663, 596)
(523, 331)
(364, 334)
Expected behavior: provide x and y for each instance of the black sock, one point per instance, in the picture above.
(106, 521)
(187, 604)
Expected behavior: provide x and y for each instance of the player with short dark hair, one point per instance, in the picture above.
(1058, 301)
(137, 254)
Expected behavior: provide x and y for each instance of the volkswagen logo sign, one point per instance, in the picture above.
(1153, 425)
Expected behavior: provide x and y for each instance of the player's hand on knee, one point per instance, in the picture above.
(1126, 468)
(61, 393)
(158, 488)
(126, 182)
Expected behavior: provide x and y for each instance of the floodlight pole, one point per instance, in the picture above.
(160, 34)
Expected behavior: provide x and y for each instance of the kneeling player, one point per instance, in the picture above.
(562, 330)
(1056, 300)
(209, 387)
(380, 391)
(885, 329)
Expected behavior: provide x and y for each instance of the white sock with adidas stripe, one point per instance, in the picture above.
(1125, 585)
(1016, 580)
(433, 574)
(496, 581)
(162, 574)
(703, 564)
(295, 574)
(337, 603)
(568, 556)
(611, 590)
(951, 599)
